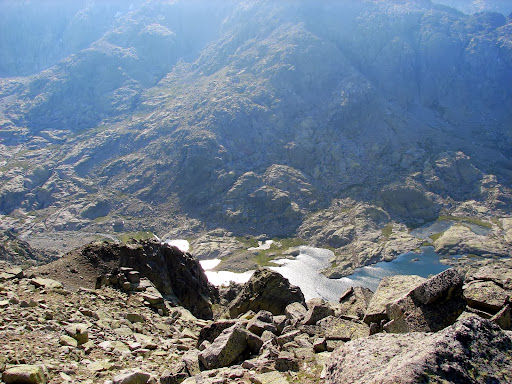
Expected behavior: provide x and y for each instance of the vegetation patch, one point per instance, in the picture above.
(436, 236)
(277, 248)
(247, 241)
(469, 220)
(100, 219)
(387, 230)
(264, 259)
(141, 235)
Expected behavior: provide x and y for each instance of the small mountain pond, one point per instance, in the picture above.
(304, 270)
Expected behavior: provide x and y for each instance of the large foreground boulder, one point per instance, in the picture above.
(390, 289)
(430, 307)
(354, 301)
(488, 291)
(473, 350)
(266, 290)
(24, 374)
(229, 346)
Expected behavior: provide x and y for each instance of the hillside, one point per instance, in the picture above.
(101, 315)
(275, 119)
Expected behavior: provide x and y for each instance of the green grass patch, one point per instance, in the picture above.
(264, 257)
(100, 219)
(247, 241)
(470, 220)
(141, 235)
(436, 236)
(287, 243)
(387, 230)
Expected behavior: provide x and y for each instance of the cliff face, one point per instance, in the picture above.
(263, 115)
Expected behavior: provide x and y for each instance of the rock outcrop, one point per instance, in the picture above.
(391, 288)
(430, 307)
(488, 291)
(460, 239)
(460, 353)
(266, 290)
(178, 276)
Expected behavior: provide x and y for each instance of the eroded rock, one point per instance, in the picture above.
(266, 290)
(24, 374)
(390, 289)
(457, 354)
(430, 307)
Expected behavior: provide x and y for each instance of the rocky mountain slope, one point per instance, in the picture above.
(260, 122)
(91, 317)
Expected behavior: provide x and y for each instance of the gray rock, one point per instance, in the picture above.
(486, 296)
(320, 345)
(288, 337)
(191, 361)
(457, 354)
(266, 290)
(503, 318)
(134, 318)
(262, 321)
(268, 336)
(430, 307)
(390, 289)
(280, 323)
(211, 331)
(254, 343)
(317, 312)
(286, 361)
(24, 374)
(500, 273)
(170, 377)
(334, 328)
(295, 312)
(132, 377)
(226, 348)
(441, 287)
(172, 271)
(68, 341)
(133, 277)
(40, 282)
(272, 377)
(79, 332)
(354, 301)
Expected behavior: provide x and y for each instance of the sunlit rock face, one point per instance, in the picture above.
(252, 116)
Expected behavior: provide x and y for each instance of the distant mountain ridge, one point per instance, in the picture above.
(269, 112)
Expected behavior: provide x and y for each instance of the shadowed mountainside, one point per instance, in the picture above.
(269, 112)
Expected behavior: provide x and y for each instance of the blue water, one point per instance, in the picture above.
(304, 271)
(424, 264)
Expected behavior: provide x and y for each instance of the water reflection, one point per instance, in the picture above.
(304, 271)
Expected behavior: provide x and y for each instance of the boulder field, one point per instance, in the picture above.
(116, 314)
